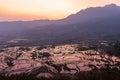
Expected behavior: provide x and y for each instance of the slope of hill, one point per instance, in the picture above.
(54, 60)
(97, 23)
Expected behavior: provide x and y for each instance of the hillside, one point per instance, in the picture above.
(54, 60)
(95, 23)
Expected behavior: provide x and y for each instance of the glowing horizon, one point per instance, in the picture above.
(12, 10)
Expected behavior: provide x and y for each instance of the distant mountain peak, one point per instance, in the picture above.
(96, 8)
(111, 5)
(95, 12)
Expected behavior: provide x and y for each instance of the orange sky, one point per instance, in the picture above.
(45, 9)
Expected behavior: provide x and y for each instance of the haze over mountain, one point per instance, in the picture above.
(91, 23)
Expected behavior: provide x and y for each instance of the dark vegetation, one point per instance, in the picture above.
(45, 54)
(111, 48)
(24, 48)
(1, 50)
(102, 74)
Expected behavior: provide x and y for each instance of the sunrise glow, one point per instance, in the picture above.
(45, 9)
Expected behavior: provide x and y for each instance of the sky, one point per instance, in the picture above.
(14, 10)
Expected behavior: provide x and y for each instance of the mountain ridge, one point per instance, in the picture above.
(91, 23)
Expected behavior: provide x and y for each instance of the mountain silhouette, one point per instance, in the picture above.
(97, 23)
